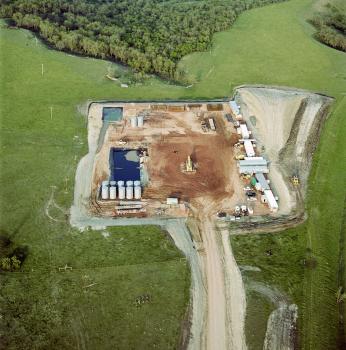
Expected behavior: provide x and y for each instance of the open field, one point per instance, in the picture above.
(39, 151)
(41, 307)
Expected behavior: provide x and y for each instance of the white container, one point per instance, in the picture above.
(138, 192)
(140, 121)
(121, 183)
(112, 192)
(112, 183)
(129, 183)
(104, 192)
(137, 183)
(133, 122)
(121, 192)
(129, 192)
(105, 183)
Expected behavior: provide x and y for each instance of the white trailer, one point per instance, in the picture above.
(270, 199)
(212, 124)
(250, 152)
(244, 131)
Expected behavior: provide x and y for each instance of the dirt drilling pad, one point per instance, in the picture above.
(169, 137)
(286, 125)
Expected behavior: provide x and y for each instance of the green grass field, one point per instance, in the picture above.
(271, 45)
(41, 307)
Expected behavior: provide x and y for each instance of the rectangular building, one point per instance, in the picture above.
(234, 107)
(253, 165)
(272, 203)
(212, 124)
(262, 182)
(249, 150)
(244, 131)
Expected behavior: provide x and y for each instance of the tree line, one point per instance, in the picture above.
(331, 25)
(150, 36)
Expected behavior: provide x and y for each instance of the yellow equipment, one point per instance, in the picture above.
(295, 180)
(240, 157)
(189, 164)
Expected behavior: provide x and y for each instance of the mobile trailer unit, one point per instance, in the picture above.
(250, 152)
(234, 107)
(212, 124)
(244, 131)
(272, 203)
(263, 183)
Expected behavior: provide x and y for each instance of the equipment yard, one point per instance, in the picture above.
(210, 164)
(163, 159)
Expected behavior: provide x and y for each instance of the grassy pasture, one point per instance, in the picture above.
(41, 307)
(271, 45)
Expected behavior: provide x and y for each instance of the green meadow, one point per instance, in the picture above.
(44, 308)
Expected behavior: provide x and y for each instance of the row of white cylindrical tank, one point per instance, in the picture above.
(132, 190)
(137, 121)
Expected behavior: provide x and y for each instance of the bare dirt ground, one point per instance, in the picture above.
(286, 124)
(225, 317)
(167, 179)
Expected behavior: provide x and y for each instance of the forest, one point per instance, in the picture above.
(150, 36)
(331, 24)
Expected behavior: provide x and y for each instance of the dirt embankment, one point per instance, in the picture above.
(286, 124)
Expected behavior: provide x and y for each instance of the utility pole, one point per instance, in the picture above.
(42, 70)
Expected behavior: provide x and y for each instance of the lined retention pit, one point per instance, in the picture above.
(112, 114)
(124, 164)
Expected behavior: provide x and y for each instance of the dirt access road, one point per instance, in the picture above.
(225, 293)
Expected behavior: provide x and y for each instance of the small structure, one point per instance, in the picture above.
(138, 192)
(172, 201)
(121, 191)
(250, 152)
(211, 124)
(133, 122)
(253, 165)
(112, 192)
(271, 201)
(129, 192)
(234, 107)
(262, 182)
(104, 192)
(244, 131)
(140, 121)
(188, 166)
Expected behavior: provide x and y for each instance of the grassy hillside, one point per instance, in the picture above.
(43, 308)
(271, 45)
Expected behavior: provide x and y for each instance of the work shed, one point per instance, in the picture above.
(253, 165)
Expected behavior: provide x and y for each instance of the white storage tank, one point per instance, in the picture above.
(140, 121)
(129, 192)
(138, 192)
(112, 192)
(121, 183)
(137, 183)
(112, 183)
(121, 192)
(133, 122)
(129, 183)
(104, 192)
(105, 183)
